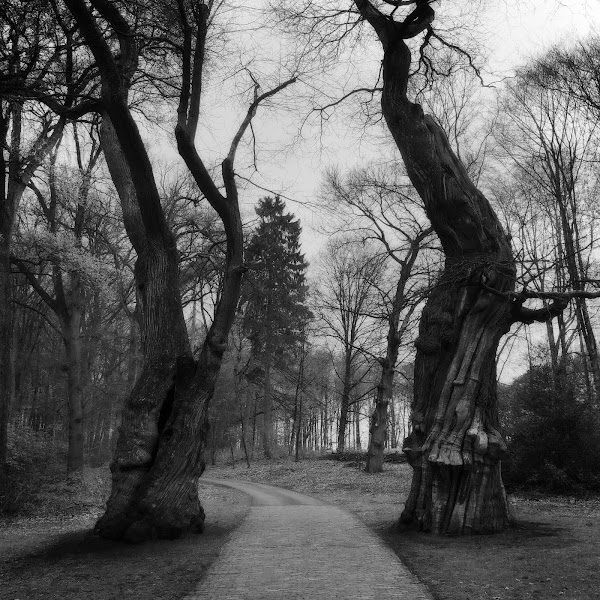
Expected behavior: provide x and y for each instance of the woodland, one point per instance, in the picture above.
(158, 311)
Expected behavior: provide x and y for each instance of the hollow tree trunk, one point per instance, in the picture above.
(456, 446)
(136, 509)
(164, 427)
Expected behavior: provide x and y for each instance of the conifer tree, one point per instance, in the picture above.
(274, 300)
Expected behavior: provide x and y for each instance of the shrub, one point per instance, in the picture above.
(33, 458)
(553, 438)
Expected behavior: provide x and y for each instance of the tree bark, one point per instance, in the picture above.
(456, 446)
(379, 418)
(6, 333)
(136, 509)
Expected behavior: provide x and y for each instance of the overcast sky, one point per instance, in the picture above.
(514, 31)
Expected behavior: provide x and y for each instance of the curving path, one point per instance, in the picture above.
(293, 546)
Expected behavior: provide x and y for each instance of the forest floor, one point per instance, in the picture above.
(553, 553)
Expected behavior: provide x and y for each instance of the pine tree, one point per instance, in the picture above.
(274, 299)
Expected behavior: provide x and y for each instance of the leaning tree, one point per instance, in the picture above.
(163, 432)
(456, 446)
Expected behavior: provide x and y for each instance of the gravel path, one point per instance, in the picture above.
(293, 546)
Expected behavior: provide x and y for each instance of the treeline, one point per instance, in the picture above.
(547, 138)
(301, 370)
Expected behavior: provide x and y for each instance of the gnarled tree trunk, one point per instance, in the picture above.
(164, 429)
(456, 446)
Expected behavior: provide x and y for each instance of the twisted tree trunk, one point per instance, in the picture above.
(456, 446)
(164, 428)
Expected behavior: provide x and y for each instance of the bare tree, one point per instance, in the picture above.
(65, 205)
(551, 141)
(164, 427)
(380, 206)
(456, 444)
(24, 43)
(346, 297)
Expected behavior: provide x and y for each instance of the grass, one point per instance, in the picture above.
(553, 552)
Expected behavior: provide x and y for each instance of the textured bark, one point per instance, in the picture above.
(456, 446)
(163, 383)
(164, 430)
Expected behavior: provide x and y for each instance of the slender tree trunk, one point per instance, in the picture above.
(267, 408)
(378, 424)
(345, 401)
(15, 174)
(393, 424)
(72, 341)
(6, 326)
(299, 430)
(456, 445)
(572, 254)
(385, 389)
(246, 455)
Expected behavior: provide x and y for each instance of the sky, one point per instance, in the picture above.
(512, 31)
(293, 152)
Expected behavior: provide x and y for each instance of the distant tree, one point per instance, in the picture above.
(64, 248)
(346, 299)
(28, 132)
(551, 142)
(381, 206)
(274, 299)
